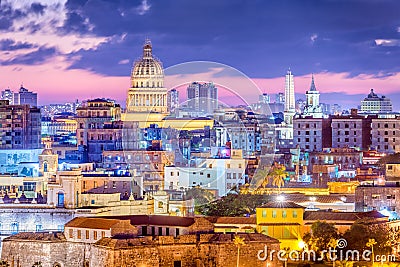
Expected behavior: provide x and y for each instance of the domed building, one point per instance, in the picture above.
(147, 93)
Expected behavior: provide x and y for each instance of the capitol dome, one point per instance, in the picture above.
(147, 72)
(147, 93)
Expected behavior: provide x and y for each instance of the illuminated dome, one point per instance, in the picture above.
(147, 72)
(147, 93)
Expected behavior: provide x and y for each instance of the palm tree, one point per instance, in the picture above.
(278, 174)
(238, 241)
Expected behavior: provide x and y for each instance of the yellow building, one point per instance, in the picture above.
(146, 119)
(283, 221)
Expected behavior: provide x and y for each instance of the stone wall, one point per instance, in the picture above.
(208, 250)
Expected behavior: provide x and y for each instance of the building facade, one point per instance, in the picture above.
(351, 131)
(312, 134)
(290, 102)
(202, 98)
(24, 96)
(385, 132)
(99, 127)
(20, 126)
(375, 104)
(147, 92)
(313, 107)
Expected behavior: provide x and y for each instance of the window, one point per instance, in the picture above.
(71, 233)
(264, 213)
(79, 234)
(294, 214)
(274, 214)
(103, 234)
(284, 214)
(95, 235)
(208, 175)
(87, 234)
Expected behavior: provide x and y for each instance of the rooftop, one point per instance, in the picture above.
(92, 223)
(282, 204)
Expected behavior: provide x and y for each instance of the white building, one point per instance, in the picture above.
(375, 104)
(290, 102)
(220, 175)
(313, 107)
(202, 97)
(24, 96)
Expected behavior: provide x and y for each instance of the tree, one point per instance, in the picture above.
(37, 264)
(278, 174)
(4, 263)
(238, 241)
(362, 231)
(321, 236)
(234, 205)
(201, 197)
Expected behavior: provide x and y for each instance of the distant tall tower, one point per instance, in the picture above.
(173, 100)
(147, 92)
(290, 103)
(202, 97)
(24, 96)
(313, 107)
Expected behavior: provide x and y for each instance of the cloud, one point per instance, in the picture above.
(39, 25)
(387, 42)
(123, 61)
(38, 8)
(38, 56)
(143, 8)
(313, 38)
(10, 45)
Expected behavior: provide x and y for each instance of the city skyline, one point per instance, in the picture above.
(70, 47)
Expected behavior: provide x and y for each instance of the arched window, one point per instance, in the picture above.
(45, 166)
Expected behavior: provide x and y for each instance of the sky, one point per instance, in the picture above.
(80, 49)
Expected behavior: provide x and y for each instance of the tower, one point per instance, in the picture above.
(202, 98)
(290, 104)
(313, 107)
(147, 93)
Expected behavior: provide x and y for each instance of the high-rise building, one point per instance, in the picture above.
(313, 107)
(312, 134)
(24, 96)
(7, 94)
(264, 98)
(290, 103)
(19, 126)
(375, 104)
(173, 100)
(352, 130)
(280, 98)
(99, 127)
(202, 98)
(147, 92)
